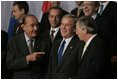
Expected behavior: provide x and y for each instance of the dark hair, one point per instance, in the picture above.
(88, 23)
(57, 8)
(22, 5)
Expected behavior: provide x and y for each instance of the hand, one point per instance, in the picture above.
(114, 59)
(34, 56)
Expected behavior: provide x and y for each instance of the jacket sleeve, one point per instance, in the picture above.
(14, 61)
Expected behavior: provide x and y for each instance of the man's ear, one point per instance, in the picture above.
(23, 26)
(85, 31)
(23, 11)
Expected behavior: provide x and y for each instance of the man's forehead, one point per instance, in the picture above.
(31, 19)
(15, 6)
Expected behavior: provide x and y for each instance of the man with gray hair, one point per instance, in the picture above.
(92, 54)
(26, 54)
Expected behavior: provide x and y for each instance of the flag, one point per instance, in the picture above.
(46, 6)
(12, 23)
(11, 27)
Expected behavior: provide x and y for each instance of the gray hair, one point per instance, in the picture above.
(88, 23)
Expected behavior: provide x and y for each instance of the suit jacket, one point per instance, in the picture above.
(47, 39)
(45, 25)
(97, 20)
(67, 67)
(93, 64)
(4, 40)
(5, 73)
(108, 26)
(74, 12)
(16, 58)
(17, 29)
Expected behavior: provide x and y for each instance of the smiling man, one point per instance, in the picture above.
(63, 60)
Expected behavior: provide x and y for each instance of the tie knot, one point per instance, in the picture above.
(52, 31)
(102, 6)
(63, 42)
(30, 40)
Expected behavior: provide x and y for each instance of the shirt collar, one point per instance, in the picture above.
(55, 29)
(67, 40)
(94, 16)
(88, 42)
(26, 37)
(105, 4)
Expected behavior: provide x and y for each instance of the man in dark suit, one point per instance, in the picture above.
(19, 10)
(53, 34)
(45, 24)
(25, 55)
(63, 59)
(92, 59)
(90, 8)
(5, 73)
(78, 11)
(108, 31)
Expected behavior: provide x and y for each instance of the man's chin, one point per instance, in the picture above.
(34, 35)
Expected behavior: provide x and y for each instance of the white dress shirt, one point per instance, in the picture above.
(28, 40)
(94, 16)
(66, 44)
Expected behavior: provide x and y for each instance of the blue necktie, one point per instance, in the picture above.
(60, 51)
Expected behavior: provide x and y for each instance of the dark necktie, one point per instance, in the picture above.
(52, 35)
(60, 51)
(30, 45)
(101, 9)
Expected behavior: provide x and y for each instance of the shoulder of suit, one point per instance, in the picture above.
(47, 32)
(57, 40)
(98, 39)
(75, 9)
(16, 38)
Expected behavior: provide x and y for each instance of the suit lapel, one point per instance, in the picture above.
(36, 46)
(88, 48)
(80, 52)
(23, 45)
(55, 53)
(58, 36)
(106, 10)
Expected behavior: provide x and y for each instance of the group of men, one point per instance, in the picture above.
(79, 45)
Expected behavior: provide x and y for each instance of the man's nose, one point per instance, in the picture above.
(35, 27)
(54, 18)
